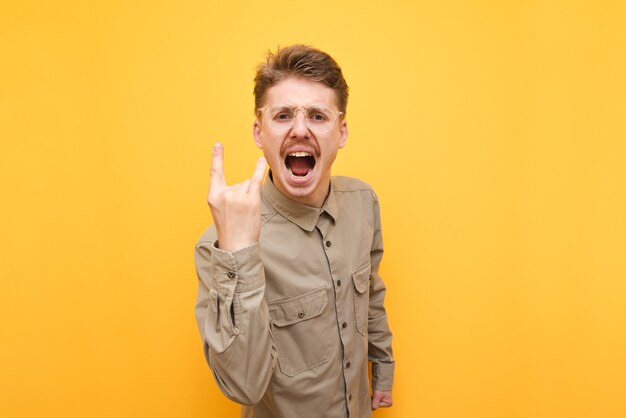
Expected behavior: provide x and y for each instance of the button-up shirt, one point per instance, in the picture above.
(289, 323)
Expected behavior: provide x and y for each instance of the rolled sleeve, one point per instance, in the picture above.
(379, 336)
(382, 376)
(240, 269)
(233, 319)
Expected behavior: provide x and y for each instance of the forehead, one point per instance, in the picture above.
(298, 91)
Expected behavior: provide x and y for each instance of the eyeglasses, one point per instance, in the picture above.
(319, 119)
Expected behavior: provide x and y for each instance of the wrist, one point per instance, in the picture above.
(233, 246)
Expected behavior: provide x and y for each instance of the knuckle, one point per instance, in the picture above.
(212, 200)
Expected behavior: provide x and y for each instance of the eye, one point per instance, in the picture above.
(317, 115)
(283, 115)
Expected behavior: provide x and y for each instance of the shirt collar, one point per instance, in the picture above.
(304, 216)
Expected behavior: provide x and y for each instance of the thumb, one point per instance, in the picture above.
(375, 401)
(257, 177)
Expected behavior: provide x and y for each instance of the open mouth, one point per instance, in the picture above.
(300, 163)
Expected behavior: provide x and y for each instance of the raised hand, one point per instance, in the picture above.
(236, 209)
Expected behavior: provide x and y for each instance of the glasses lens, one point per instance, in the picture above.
(319, 119)
(281, 116)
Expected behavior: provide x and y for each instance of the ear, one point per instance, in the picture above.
(343, 133)
(256, 133)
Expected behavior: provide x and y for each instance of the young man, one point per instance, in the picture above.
(290, 303)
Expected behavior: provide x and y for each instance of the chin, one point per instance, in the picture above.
(299, 188)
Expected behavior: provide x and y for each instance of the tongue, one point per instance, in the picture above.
(299, 166)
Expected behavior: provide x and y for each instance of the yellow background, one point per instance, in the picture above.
(493, 133)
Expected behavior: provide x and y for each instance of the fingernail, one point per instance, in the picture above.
(217, 146)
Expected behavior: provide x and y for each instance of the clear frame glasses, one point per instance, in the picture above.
(281, 117)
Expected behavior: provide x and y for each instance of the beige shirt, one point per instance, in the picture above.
(288, 324)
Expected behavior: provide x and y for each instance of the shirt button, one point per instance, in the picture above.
(338, 282)
(300, 314)
(370, 277)
(348, 364)
(231, 275)
(343, 325)
(328, 243)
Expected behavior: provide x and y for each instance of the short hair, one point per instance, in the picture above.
(300, 61)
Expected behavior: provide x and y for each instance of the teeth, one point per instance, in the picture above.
(300, 154)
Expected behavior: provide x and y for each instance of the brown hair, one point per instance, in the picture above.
(300, 61)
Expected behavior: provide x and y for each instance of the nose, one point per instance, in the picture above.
(300, 127)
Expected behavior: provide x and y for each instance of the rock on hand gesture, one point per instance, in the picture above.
(236, 209)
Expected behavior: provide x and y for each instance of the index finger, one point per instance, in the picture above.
(217, 170)
(257, 177)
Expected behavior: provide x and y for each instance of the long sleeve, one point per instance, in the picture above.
(379, 334)
(233, 319)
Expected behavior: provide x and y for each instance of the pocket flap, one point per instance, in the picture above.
(297, 309)
(361, 278)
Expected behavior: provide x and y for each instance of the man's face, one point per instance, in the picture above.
(300, 158)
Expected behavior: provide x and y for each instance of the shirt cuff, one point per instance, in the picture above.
(382, 376)
(242, 267)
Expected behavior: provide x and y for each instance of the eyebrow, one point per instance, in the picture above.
(315, 105)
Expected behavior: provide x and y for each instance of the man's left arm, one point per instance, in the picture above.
(379, 334)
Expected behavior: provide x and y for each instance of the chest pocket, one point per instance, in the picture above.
(361, 278)
(300, 334)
